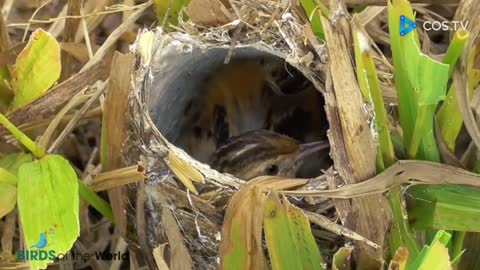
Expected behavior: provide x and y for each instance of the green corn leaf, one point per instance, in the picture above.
(289, 238)
(457, 249)
(429, 81)
(37, 68)
(455, 49)
(407, 108)
(370, 86)
(439, 206)
(449, 117)
(421, 83)
(48, 205)
(428, 77)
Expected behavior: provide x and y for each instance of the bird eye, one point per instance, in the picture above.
(272, 169)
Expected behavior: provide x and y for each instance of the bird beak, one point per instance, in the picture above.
(308, 149)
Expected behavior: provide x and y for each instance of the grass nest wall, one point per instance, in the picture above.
(169, 68)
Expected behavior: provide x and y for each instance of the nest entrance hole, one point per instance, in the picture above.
(198, 101)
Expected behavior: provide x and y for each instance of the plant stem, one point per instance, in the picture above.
(457, 246)
(94, 200)
(36, 150)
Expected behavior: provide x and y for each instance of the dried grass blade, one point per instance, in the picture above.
(180, 258)
(185, 172)
(117, 178)
(338, 229)
(100, 88)
(115, 35)
(74, 101)
(403, 172)
(114, 130)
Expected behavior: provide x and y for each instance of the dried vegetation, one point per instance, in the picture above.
(174, 212)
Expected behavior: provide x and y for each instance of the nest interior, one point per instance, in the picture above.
(192, 88)
(181, 77)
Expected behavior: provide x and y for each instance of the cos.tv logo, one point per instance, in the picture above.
(38, 252)
(406, 25)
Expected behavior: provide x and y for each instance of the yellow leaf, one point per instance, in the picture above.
(185, 172)
(37, 68)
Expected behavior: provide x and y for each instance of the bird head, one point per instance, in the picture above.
(263, 152)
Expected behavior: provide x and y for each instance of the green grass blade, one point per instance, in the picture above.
(439, 206)
(95, 201)
(421, 83)
(429, 80)
(313, 10)
(455, 49)
(370, 87)
(436, 255)
(289, 238)
(457, 249)
(167, 11)
(449, 117)
(406, 106)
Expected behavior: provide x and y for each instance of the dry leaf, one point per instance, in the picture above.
(185, 172)
(159, 258)
(208, 12)
(402, 172)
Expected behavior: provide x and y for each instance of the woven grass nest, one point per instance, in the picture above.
(168, 70)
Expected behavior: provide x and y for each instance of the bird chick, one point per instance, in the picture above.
(235, 101)
(252, 94)
(263, 152)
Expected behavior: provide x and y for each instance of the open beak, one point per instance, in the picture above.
(309, 149)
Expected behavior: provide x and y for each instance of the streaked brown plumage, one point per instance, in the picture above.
(264, 152)
(249, 95)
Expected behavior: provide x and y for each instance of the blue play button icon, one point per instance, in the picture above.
(406, 25)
